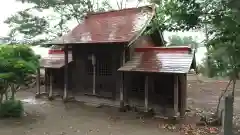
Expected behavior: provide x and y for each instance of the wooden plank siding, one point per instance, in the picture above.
(111, 54)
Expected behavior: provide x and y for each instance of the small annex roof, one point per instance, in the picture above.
(160, 59)
(54, 62)
(109, 27)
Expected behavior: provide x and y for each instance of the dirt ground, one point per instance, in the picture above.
(203, 94)
(55, 118)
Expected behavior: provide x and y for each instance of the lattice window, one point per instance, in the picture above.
(104, 68)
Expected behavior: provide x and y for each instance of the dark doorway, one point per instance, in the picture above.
(104, 82)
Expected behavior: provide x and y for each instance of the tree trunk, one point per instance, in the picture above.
(221, 96)
(6, 93)
(1, 98)
(13, 91)
(233, 89)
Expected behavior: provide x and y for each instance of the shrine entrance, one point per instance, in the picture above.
(100, 75)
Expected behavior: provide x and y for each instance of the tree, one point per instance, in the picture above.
(46, 28)
(18, 63)
(221, 20)
(176, 40)
(121, 4)
(176, 15)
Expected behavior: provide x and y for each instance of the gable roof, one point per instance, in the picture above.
(109, 27)
(160, 59)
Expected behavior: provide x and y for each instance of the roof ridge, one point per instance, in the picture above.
(145, 26)
(110, 11)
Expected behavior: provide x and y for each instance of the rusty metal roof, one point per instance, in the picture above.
(54, 62)
(108, 27)
(160, 59)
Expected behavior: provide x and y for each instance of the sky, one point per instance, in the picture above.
(9, 7)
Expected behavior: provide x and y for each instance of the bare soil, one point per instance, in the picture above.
(56, 118)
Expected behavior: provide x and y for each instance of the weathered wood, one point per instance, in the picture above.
(183, 104)
(38, 81)
(46, 81)
(121, 89)
(146, 93)
(65, 94)
(228, 116)
(94, 73)
(176, 94)
(123, 57)
(126, 83)
(123, 93)
(50, 85)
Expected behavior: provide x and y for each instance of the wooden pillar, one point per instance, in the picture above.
(94, 73)
(183, 85)
(65, 94)
(228, 115)
(176, 94)
(146, 93)
(124, 90)
(46, 81)
(126, 82)
(50, 96)
(38, 81)
(121, 78)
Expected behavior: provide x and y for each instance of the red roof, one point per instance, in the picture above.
(114, 26)
(160, 59)
(54, 61)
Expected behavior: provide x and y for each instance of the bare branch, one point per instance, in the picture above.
(222, 94)
(118, 4)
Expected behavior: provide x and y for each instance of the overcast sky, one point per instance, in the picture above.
(9, 7)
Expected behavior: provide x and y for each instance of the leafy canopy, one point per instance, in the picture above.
(223, 45)
(43, 28)
(17, 63)
(176, 15)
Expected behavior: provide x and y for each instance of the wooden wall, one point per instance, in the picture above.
(58, 76)
(105, 80)
(161, 89)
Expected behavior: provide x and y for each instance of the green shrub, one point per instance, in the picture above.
(11, 108)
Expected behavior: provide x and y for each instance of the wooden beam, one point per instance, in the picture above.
(38, 81)
(228, 115)
(146, 93)
(65, 94)
(123, 57)
(121, 90)
(126, 82)
(183, 105)
(46, 81)
(121, 78)
(176, 94)
(94, 73)
(50, 85)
